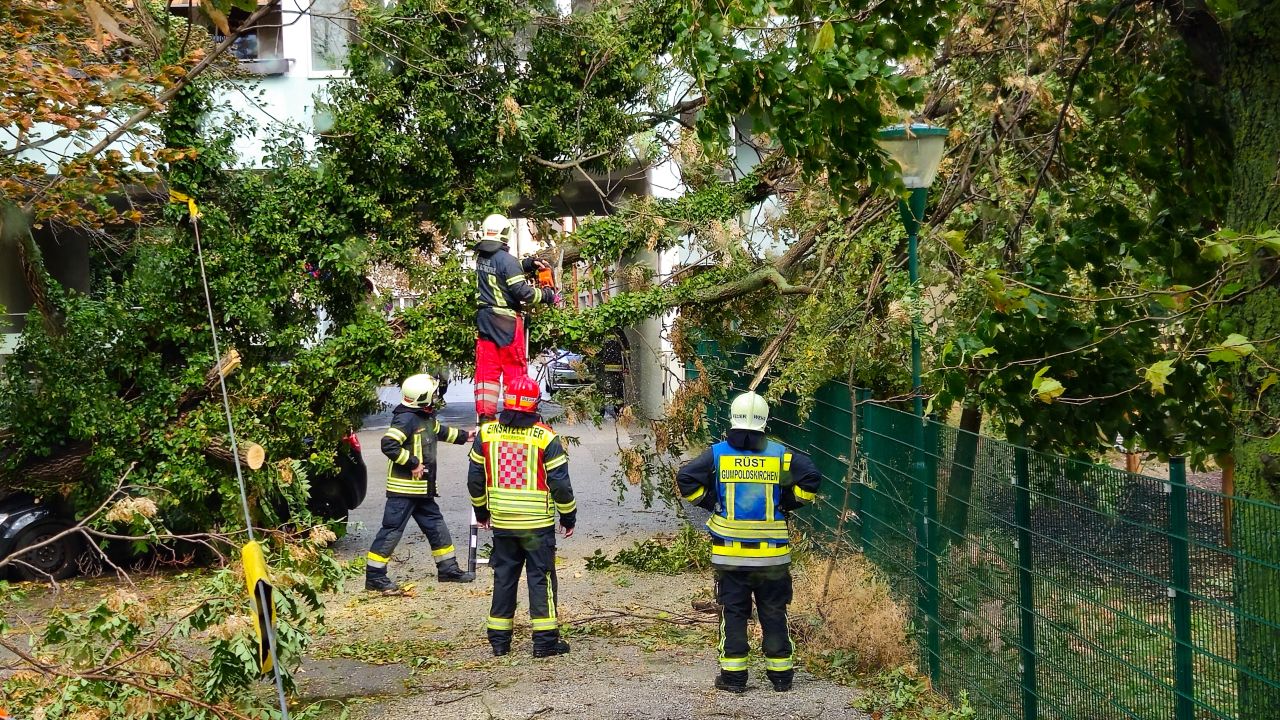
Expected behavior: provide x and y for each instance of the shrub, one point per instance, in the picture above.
(843, 611)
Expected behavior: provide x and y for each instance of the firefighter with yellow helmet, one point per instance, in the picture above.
(750, 484)
(410, 445)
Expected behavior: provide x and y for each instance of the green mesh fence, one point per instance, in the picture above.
(1044, 587)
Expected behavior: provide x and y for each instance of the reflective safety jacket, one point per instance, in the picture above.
(750, 487)
(519, 475)
(411, 440)
(502, 291)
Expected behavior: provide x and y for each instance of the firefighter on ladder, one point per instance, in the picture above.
(750, 484)
(502, 291)
(410, 445)
(518, 481)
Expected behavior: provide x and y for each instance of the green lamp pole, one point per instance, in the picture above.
(918, 150)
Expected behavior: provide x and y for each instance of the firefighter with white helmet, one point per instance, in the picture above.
(410, 445)
(750, 484)
(502, 292)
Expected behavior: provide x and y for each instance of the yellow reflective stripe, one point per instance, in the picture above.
(407, 487)
(417, 445)
(779, 664)
(505, 312)
(733, 664)
(567, 507)
(551, 596)
(447, 550)
(786, 462)
(515, 280)
(556, 462)
(479, 501)
(749, 529)
(736, 550)
(730, 505)
(507, 522)
(696, 495)
(396, 433)
(805, 495)
(476, 457)
(403, 457)
(544, 624)
(453, 435)
(496, 623)
(499, 298)
(375, 557)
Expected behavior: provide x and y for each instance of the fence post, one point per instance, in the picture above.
(1026, 590)
(861, 396)
(1179, 590)
(926, 562)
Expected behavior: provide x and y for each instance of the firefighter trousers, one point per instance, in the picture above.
(533, 551)
(770, 588)
(496, 365)
(395, 517)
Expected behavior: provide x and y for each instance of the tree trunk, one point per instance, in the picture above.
(1251, 80)
(955, 508)
(252, 455)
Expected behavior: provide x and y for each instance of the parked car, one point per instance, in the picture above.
(562, 371)
(26, 521)
(335, 495)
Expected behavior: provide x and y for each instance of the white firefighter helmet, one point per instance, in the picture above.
(749, 411)
(496, 227)
(418, 390)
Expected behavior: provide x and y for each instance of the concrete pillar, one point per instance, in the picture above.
(644, 339)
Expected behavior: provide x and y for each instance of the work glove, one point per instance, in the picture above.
(557, 299)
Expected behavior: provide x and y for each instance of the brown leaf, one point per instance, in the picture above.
(218, 17)
(104, 20)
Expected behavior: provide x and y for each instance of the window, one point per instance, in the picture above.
(332, 26)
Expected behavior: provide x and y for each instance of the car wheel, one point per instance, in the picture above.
(57, 560)
(551, 388)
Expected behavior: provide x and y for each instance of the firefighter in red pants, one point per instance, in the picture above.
(518, 481)
(501, 293)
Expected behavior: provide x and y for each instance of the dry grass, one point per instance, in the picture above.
(842, 605)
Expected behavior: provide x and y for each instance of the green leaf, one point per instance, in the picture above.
(1232, 350)
(1158, 375)
(1267, 382)
(984, 352)
(245, 5)
(1045, 387)
(825, 39)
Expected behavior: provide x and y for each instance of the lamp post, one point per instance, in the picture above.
(918, 149)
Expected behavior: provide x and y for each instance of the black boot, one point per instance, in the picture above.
(560, 648)
(500, 649)
(732, 681)
(448, 571)
(781, 679)
(379, 582)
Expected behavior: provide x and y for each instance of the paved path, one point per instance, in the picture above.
(425, 655)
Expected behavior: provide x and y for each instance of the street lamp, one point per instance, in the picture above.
(918, 149)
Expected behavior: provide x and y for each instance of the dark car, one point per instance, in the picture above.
(335, 495)
(24, 522)
(562, 371)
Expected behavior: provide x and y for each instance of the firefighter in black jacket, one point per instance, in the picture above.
(502, 291)
(410, 445)
(750, 484)
(518, 481)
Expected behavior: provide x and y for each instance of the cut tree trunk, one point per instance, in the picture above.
(252, 455)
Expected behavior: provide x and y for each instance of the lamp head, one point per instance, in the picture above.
(917, 148)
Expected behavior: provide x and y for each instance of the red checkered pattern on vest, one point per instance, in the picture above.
(512, 465)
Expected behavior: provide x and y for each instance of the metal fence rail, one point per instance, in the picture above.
(1045, 587)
